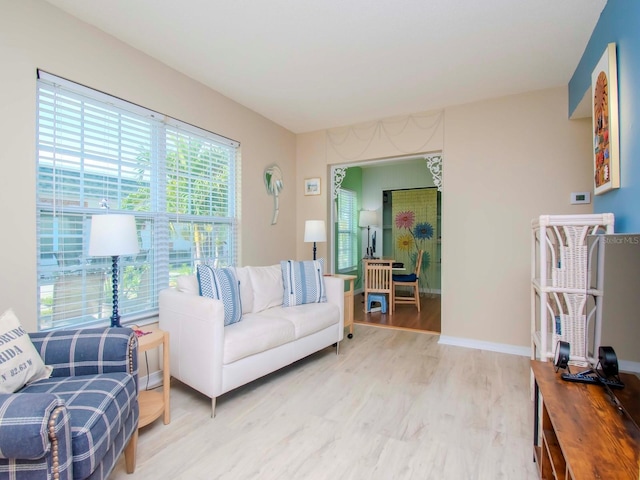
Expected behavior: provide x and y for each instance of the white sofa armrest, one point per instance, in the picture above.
(335, 295)
(196, 338)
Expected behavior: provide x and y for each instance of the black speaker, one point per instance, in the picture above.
(608, 361)
(561, 359)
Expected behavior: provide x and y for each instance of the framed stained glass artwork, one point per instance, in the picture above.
(604, 95)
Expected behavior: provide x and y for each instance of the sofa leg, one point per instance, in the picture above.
(213, 407)
(337, 347)
(130, 452)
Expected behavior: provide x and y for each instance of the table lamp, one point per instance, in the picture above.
(113, 235)
(368, 218)
(314, 231)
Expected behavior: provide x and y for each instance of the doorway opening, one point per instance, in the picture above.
(375, 185)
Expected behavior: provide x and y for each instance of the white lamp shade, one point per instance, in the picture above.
(314, 231)
(368, 218)
(113, 235)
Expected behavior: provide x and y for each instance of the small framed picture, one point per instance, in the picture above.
(312, 186)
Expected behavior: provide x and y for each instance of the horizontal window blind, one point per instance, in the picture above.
(97, 153)
(347, 230)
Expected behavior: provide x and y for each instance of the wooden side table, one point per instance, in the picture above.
(348, 302)
(153, 404)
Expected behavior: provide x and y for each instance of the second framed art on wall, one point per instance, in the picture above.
(312, 186)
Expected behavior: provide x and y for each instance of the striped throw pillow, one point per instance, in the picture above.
(221, 284)
(303, 282)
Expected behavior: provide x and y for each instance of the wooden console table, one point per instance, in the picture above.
(579, 433)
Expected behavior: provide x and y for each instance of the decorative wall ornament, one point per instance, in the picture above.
(434, 164)
(273, 182)
(338, 176)
(402, 135)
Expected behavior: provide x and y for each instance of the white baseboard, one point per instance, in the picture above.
(480, 345)
(149, 382)
(627, 366)
(623, 365)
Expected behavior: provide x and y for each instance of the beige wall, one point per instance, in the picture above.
(311, 162)
(33, 35)
(506, 161)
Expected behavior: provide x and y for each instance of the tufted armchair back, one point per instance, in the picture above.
(76, 423)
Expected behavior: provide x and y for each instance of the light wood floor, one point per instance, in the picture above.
(404, 316)
(392, 405)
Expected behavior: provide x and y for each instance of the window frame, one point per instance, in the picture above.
(351, 230)
(201, 167)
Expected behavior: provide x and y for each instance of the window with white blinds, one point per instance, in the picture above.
(97, 153)
(347, 248)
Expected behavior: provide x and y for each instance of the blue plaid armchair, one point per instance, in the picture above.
(75, 424)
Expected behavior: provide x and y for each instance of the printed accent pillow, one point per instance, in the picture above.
(222, 284)
(20, 362)
(303, 282)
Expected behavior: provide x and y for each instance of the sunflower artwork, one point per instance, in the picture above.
(414, 230)
(412, 239)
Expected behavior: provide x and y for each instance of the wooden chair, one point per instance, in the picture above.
(377, 279)
(411, 280)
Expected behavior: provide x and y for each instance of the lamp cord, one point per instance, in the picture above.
(146, 359)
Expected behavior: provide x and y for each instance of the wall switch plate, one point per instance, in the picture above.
(578, 198)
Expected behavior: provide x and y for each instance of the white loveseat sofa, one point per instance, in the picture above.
(214, 359)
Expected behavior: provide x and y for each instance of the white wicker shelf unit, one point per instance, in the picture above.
(565, 304)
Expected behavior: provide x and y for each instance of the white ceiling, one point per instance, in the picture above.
(314, 64)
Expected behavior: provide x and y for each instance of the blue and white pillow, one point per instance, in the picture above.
(221, 284)
(303, 282)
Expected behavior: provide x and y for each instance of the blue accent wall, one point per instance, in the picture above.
(620, 23)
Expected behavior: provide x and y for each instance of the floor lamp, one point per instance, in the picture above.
(314, 231)
(368, 218)
(113, 235)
